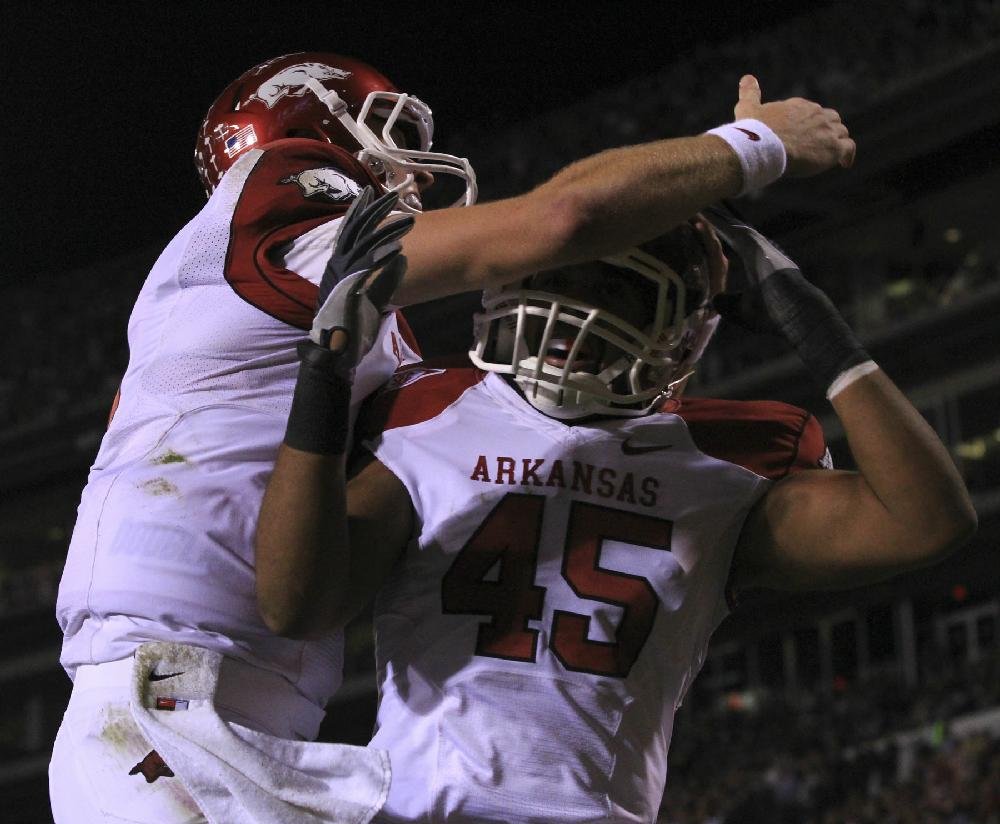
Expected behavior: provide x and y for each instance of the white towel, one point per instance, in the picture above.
(238, 775)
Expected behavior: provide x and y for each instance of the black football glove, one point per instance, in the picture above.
(360, 278)
(361, 274)
(779, 300)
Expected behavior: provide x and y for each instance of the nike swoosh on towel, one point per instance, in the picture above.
(155, 676)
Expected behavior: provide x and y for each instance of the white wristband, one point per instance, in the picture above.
(849, 376)
(760, 150)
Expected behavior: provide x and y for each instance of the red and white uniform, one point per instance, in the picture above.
(537, 637)
(163, 544)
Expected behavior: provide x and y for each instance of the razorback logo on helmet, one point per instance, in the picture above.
(324, 183)
(292, 81)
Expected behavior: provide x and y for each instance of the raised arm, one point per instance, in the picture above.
(618, 198)
(906, 506)
(303, 543)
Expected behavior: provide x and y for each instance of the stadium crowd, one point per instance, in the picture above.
(872, 753)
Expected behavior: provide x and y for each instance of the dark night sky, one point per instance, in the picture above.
(102, 99)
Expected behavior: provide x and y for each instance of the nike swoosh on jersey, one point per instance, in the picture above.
(630, 449)
(155, 676)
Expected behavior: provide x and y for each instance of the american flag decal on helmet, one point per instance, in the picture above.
(243, 139)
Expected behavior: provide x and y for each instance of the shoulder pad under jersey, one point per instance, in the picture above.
(413, 395)
(770, 438)
(294, 186)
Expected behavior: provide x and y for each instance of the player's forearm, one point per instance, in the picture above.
(907, 470)
(595, 207)
(302, 545)
(622, 197)
(906, 506)
(302, 558)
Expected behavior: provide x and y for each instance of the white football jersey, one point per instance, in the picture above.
(163, 544)
(537, 637)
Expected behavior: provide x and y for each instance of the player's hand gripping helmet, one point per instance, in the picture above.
(612, 337)
(334, 99)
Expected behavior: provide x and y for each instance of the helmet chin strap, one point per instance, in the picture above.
(407, 189)
(330, 99)
(366, 138)
(371, 147)
(668, 390)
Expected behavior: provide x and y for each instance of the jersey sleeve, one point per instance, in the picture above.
(769, 438)
(295, 186)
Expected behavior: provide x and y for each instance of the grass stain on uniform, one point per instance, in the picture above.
(120, 730)
(169, 457)
(160, 486)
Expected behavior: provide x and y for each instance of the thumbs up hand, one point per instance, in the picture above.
(815, 139)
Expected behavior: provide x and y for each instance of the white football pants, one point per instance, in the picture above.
(143, 741)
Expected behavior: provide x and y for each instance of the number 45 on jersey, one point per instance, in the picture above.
(510, 536)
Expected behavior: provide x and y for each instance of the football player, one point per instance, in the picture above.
(158, 590)
(555, 534)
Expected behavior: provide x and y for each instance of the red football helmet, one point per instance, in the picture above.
(335, 99)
